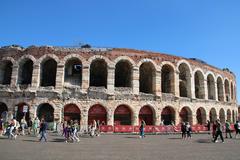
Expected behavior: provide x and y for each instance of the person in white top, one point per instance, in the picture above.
(23, 125)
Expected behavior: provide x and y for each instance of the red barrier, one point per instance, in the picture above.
(106, 128)
(123, 128)
(150, 129)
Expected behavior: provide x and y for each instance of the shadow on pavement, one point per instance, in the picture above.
(132, 137)
(204, 141)
(175, 138)
(57, 140)
(30, 140)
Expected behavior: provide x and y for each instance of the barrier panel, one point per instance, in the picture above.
(151, 129)
(124, 128)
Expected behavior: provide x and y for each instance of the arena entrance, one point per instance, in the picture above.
(186, 115)
(201, 116)
(72, 112)
(45, 111)
(146, 114)
(3, 108)
(122, 115)
(20, 112)
(98, 113)
(168, 116)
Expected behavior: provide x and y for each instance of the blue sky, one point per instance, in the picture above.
(208, 30)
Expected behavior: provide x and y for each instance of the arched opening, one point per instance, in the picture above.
(25, 72)
(45, 111)
(184, 80)
(213, 115)
(220, 89)
(211, 87)
(201, 116)
(199, 85)
(123, 74)
(3, 108)
(229, 116)
(97, 113)
(21, 112)
(122, 115)
(168, 116)
(5, 72)
(232, 93)
(186, 115)
(167, 76)
(146, 114)
(48, 72)
(98, 73)
(222, 116)
(72, 112)
(227, 90)
(147, 75)
(73, 72)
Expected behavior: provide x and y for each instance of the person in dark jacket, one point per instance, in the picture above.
(218, 131)
(43, 130)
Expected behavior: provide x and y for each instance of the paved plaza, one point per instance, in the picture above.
(120, 147)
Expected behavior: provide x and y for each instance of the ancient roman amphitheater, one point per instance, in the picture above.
(118, 87)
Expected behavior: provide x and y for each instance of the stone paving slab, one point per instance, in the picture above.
(120, 147)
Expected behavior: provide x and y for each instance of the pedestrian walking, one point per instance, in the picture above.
(208, 125)
(188, 130)
(23, 125)
(141, 129)
(214, 127)
(35, 126)
(218, 131)
(75, 131)
(183, 130)
(228, 129)
(43, 131)
(237, 128)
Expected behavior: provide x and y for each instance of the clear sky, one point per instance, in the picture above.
(205, 29)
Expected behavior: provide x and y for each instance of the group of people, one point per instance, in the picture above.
(186, 130)
(12, 128)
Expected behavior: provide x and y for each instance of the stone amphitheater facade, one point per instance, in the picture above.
(116, 86)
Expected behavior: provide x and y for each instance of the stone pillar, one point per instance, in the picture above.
(157, 119)
(60, 77)
(110, 80)
(157, 83)
(135, 119)
(205, 89)
(177, 117)
(110, 118)
(216, 91)
(193, 96)
(194, 118)
(84, 119)
(207, 116)
(176, 84)
(36, 76)
(135, 80)
(224, 94)
(85, 78)
(14, 76)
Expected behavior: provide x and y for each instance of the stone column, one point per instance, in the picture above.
(36, 77)
(224, 94)
(205, 89)
(176, 84)
(157, 83)
(60, 77)
(177, 117)
(85, 78)
(14, 76)
(110, 118)
(84, 119)
(157, 119)
(216, 91)
(194, 118)
(193, 96)
(135, 119)
(135, 80)
(110, 80)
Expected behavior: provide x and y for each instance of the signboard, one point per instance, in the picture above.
(25, 109)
